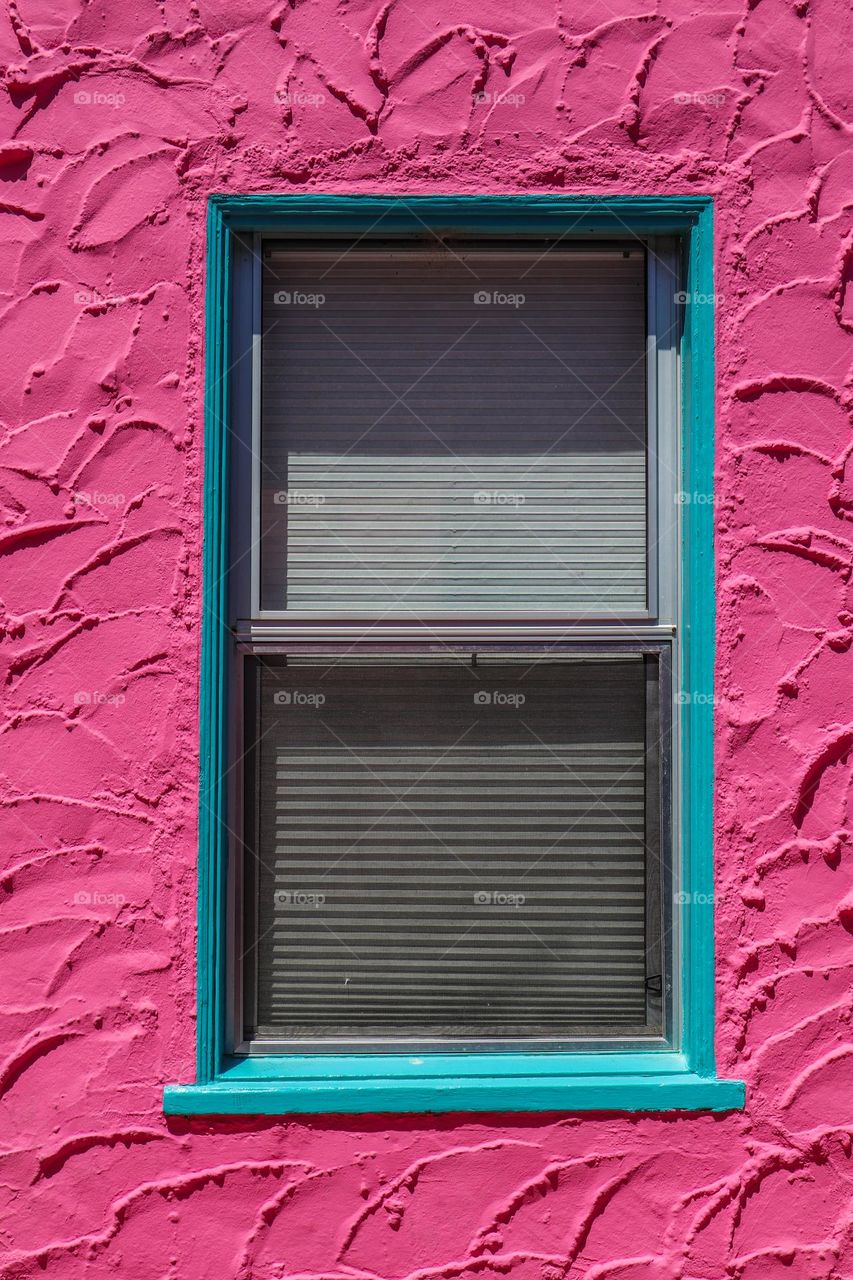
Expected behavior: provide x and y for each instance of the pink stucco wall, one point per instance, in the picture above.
(124, 116)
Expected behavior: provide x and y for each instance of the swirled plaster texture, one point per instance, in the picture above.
(120, 120)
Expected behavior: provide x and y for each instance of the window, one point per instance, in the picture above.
(457, 842)
(444, 803)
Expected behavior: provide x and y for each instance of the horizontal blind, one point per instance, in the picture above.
(453, 430)
(447, 851)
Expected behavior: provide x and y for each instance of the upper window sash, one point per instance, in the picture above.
(251, 468)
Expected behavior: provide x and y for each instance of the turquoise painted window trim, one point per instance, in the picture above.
(652, 1080)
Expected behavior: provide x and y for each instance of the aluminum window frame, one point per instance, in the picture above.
(662, 437)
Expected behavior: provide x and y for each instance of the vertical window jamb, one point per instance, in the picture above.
(664, 470)
(656, 969)
(665, 312)
(246, 970)
(240, 373)
(653, 567)
(255, 438)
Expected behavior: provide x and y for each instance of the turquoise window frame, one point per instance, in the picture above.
(652, 1080)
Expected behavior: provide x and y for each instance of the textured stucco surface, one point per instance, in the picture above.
(102, 211)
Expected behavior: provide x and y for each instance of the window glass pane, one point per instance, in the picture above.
(453, 429)
(449, 850)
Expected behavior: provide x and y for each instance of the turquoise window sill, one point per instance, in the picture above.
(332, 1084)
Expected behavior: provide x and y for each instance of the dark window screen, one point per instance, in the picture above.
(453, 429)
(444, 848)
